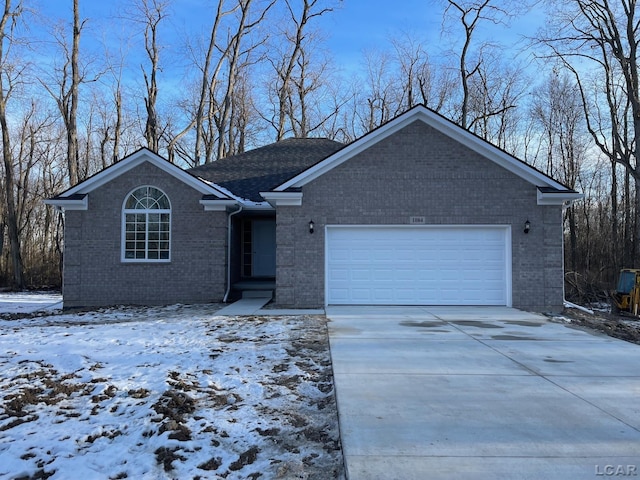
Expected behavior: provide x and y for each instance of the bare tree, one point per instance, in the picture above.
(601, 38)
(113, 132)
(557, 110)
(209, 77)
(494, 93)
(71, 113)
(422, 82)
(297, 46)
(67, 96)
(8, 76)
(471, 14)
(150, 13)
(383, 94)
(238, 58)
(223, 66)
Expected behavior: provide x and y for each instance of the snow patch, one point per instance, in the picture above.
(167, 392)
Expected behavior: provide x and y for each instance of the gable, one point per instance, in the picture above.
(419, 169)
(77, 197)
(110, 197)
(549, 191)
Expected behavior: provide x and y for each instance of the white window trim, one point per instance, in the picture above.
(123, 228)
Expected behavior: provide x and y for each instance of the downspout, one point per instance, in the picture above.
(565, 302)
(226, 294)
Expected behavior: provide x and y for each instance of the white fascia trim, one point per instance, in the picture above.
(437, 122)
(247, 205)
(217, 205)
(558, 198)
(255, 206)
(133, 161)
(283, 199)
(221, 191)
(220, 205)
(68, 203)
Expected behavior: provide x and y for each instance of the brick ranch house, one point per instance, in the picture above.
(416, 212)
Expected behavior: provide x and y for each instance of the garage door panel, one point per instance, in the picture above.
(360, 274)
(338, 275)
(417, 265)
(361, 295)
(340, 296)
(383, 295)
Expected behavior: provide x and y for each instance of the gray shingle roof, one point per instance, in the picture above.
(259, 170)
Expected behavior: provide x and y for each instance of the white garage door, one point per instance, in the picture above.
(416, 265)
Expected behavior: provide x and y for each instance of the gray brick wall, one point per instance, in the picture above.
(94, 274)
(420, 172)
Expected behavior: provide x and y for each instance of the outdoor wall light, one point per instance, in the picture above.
(527, 226)
(311, 226)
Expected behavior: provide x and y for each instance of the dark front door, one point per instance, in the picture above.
(263, 248)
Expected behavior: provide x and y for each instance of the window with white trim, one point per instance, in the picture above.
(146, 226)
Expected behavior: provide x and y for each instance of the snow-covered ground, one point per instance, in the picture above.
(167, 392)
(28, 302)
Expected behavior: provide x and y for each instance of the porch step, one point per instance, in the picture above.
(257, 294)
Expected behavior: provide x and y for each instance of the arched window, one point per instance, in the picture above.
(146, 225)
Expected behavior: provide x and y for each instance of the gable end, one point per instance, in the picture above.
(76, 198)
(555, 193)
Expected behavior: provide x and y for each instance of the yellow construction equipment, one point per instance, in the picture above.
(626, 297)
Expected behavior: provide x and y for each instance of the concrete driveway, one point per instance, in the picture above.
(482, 392)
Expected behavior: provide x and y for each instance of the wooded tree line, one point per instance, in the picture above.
(75, 99)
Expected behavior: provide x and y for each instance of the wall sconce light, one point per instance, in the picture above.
(527, 226)
(311, 226)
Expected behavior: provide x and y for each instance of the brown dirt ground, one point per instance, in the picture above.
(624, 327)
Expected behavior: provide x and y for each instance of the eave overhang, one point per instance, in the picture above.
(72, 202)
(216, 204)
(552, 196)
(283, 199)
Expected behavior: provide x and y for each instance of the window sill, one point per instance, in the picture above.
(144, 262)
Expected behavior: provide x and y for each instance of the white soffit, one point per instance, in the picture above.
(558, 198)
(79, 202)
(217, 205)
(283, 199)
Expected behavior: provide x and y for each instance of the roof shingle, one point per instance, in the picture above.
(259, 170)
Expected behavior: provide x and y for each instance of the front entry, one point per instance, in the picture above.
(263, 248)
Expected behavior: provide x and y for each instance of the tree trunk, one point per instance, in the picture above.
(573, 240)
(615, 237)
(73, 158)
(627, 254)
(12, 216)
(636, 227)
(9, 183)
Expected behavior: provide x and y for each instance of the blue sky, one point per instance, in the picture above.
(369, 24)
(357, 25)
(354, 26)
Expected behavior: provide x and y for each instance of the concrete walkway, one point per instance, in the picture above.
(479, 393)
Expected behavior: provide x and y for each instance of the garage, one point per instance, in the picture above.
(418, 265)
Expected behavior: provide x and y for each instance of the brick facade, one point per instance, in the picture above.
(94, 273)
(418, 171)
